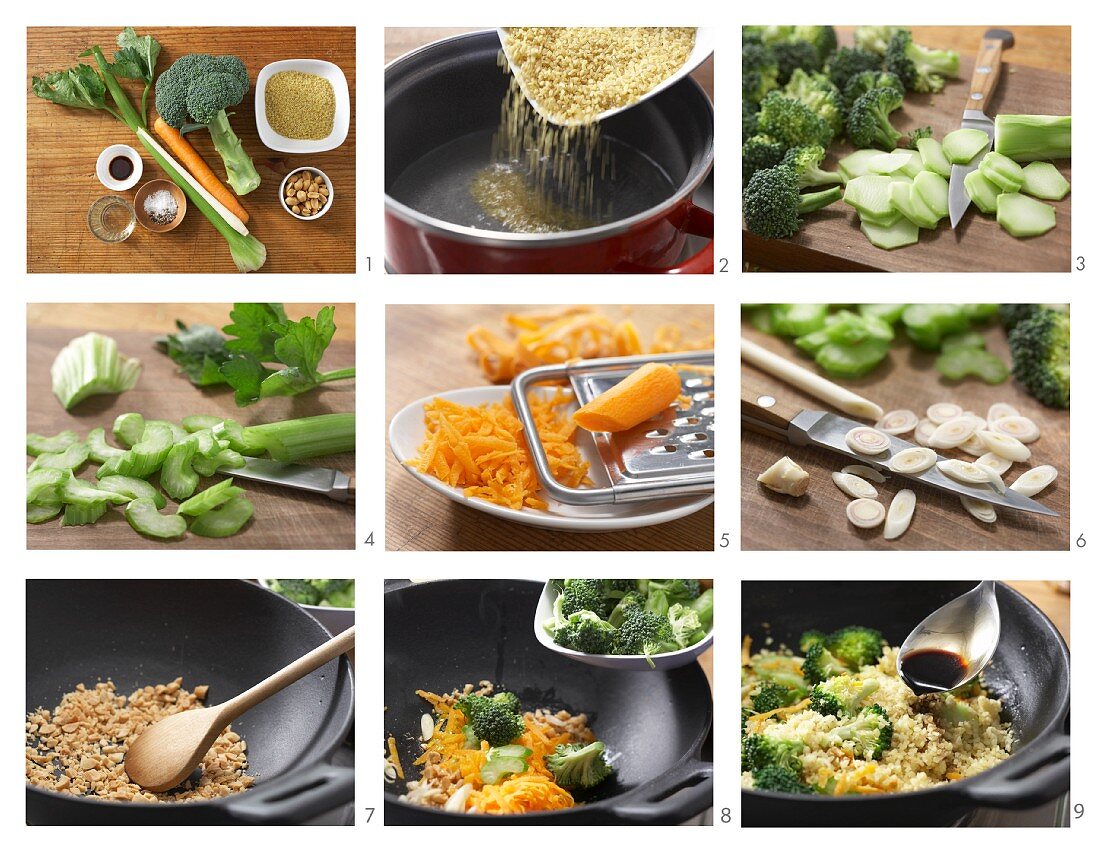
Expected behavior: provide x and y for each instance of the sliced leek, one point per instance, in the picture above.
(91, 365)
(864, 472)
(854, 486)
(980, 509)
(898, 422)
(941, 412)
(1005, 445)
(923, 431)
(995, 480)
(995, 462)
(913, 461)
(1021, 428)
(37, 444)
(865, 513)
(785, 476)
(143, 516)
(900, 514)
(999, 410)
(1035, 480)
(964, 471)
(952, 433)
(973, 445)
(865, 440)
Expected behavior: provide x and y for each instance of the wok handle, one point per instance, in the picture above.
(1037, 774)
(698, 222)
(295, 798)
(677, 795)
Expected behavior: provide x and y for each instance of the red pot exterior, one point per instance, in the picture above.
(651, 245)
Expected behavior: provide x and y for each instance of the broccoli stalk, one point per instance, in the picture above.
(918, 67)
(806, 162)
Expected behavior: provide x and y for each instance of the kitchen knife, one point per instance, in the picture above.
(331, 483)
(987, 70)
(768, 415)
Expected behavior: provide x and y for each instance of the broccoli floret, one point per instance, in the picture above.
(586, 632)
(822, 38)
(580, 595)
(746, 714)
(841, 695)
(197, 89)
(758, 153)
(771, 695)
(1039, 346)
(579, 766)
(918, 67)
(775, 778)
(849, 61)
(870, 733)
(874, 39)
(748, 121)
(865, 81)
(759, 72)
(809, 638)
(759, 751)
(784, 670)
(806, 162)
(301, 591)
(495, 723)
(820, 665)
(508, 700)
(855, 646)
(644, 633)
(687, 627)
(469, 704)
(793, 55)
(631, 602)
(949, 711)
(772, 205)
(869, 119)
(678, 590)
(818, 93)
(343, 598)
(792, 122)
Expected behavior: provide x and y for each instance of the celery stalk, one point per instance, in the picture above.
(309, 437)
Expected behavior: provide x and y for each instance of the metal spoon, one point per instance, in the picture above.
(969, 626)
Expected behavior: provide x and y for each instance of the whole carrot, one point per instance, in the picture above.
(194, 163)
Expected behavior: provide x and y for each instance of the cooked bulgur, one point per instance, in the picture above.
(575, 73)
(924, 751)
(79, 748)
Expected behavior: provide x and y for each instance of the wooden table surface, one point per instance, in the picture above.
(400, 40)
(63, 144)
(908, 379)
(426, 353)
(1052, 601)
(283, 519)
(830, 239)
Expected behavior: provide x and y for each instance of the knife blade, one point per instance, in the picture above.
(987, 71)
(331, 483)
(819, 428)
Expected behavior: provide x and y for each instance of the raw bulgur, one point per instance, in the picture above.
(300, 105)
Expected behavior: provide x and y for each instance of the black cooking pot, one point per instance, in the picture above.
(440, 635)
(1029, 674)
(229, 634)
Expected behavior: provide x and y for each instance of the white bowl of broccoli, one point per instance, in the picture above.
(331, 601)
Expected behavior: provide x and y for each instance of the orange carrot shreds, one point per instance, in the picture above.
(482, 449)
(670, 338)
(627, 341)
(640, 396)
(395, 758)
(522, 793)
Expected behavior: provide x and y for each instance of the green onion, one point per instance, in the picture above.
(91, 365)
(309, 437)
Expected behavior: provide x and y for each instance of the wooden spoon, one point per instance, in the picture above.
(166, 752)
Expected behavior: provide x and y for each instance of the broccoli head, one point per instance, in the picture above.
(806, 162)
(759, 72)
(874, 39)
(493, 722)
(301, 591)
(630, 602)
(678, 590)
(841, 696)
(772, 695)
(793, 55)
(869, 119)
(849, 61)
(820, 665)
(866, 80)
(759, 751)
(579, 766)
(197, 89)
(748, 120)
(772, 205)
(822, 38)
(586, 632)
(507, 699)
(643, 634)
(919, 68)
(579, 595)
(820, 95)
(775, 778)
(792, 122)
(1039, 346)
(856, 646)
(809, 638)
(758, 153)
(869, 733)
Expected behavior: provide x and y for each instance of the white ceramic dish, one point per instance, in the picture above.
(103, 163)
(333, 619)
(341, 121)
(704, 47)
(661, 662)
(328, 204)
(407, 434)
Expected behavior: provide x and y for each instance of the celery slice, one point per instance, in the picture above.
(143, 516)
(38, 444)
(91, 365)
(99, 450)
(147, 454)
(176, 476)
(205, 443)
(210, 498)
(70, 459)
(83, 515)
(79, 492)
(209, 465)
(239, 441)
(223, 521)
(179, 433)
(128, 429)
(310, 437)
(133, 489)
(200, 422)
(44, 481)
(37, 513)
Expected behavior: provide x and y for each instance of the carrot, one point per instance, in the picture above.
(194, 163)
(641, 395)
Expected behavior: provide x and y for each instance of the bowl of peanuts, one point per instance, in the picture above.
(306, 193)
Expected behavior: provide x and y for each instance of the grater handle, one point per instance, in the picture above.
(521, 385)
(772, 420)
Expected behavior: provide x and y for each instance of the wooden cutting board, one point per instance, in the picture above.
(908, 379)
(63, 144)
(283, 519)
(426, 353)
(830, 240)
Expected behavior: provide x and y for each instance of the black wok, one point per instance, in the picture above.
(1029, 674)
(444, 634)
(229, 634)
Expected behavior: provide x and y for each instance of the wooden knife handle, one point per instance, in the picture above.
(987, 67)
(763, 408)
(351, 488)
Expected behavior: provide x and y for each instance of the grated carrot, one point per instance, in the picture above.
(395, 757)
(482, 449)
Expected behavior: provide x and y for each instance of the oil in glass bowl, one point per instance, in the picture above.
(111, 218)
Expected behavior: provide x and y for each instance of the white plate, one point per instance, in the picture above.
(661, 661)
(407, 435)
(341, 121)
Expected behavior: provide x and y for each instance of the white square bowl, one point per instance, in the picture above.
(340, 123)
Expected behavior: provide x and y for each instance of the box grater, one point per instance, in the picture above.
(671, 455)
